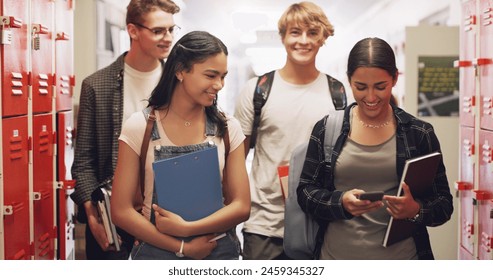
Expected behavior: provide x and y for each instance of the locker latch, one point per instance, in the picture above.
(8, 210)
(8, 22)
(36, 30)
(36, 196)
(62, 36)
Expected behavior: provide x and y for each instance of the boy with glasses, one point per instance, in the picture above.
(108, 97)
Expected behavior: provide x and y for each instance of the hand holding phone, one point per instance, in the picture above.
(371, 196)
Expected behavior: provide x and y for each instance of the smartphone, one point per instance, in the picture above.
(371, 196)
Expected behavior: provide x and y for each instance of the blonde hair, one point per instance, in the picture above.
(306, 14)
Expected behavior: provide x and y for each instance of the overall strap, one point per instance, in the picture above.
(143, 149)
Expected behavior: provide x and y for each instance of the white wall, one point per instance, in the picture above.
(436, 41)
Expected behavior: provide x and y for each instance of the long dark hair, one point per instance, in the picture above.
(194, 47)
(372, 52)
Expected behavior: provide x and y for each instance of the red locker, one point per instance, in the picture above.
(41, 49)
(66, 226)
(43, 187)
(16, 188)
(484, 196)
(65, 206)
(64, 55)
(465, 190)
(467, 86)
(13, 52)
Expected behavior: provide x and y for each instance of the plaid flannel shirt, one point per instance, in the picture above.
(99, 123)
(318, 196)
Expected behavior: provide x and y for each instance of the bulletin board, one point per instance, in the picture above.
(438, 86)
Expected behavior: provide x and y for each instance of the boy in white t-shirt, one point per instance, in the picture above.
(298, 98)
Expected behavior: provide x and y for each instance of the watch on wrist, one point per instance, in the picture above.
(180, 253)
(415, 218)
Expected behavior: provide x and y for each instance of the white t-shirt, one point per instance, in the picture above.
(287, 120)
(133, 132)
(137, 88)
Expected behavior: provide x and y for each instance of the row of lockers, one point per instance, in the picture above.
(32, 33)
(36, 49)
(52, 211)
(475, 185)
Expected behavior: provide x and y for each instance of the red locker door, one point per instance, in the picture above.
(465, 192)
(484, 196)
(42, 55)
(485, 63)
(65, 140)
(13, 61)
(66, 225)
(64, 57)
(16, 188)
(43, 187)
(466, 69)
(65, 206)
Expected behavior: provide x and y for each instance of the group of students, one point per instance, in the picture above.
(115, 103)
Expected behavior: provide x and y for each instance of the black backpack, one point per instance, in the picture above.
(262, 91)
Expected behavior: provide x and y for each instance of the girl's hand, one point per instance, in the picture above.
(199, 247)
(169, 223)
(402, 207)
(358, 207)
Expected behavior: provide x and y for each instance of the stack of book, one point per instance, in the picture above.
(101, 197)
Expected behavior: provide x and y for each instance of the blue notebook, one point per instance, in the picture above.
(189, 185)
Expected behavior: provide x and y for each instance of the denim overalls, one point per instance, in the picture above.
(228, 248)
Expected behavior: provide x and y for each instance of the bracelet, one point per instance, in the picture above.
(180, 253)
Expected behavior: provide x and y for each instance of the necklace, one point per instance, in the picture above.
(375, 126)
(186, 123)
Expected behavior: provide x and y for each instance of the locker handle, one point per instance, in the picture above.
(39, 29)
(62, 36)
(72, 80)
(483, 61)
(66, 184)
(11, 22)
(463, 186)
(482, 195)
(462, 63)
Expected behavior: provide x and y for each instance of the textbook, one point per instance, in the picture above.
(419, 174)
(189, 185)
(283, 172)
(102, 198)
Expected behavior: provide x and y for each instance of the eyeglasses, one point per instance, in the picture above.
(160, 32)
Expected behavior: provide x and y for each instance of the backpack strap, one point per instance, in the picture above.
(262, 90)
(337, 92)
(333, 127)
